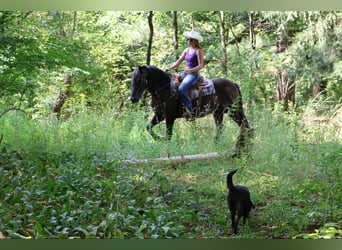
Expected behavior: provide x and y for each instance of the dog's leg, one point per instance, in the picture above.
(232, 216)
(237, 223)
(244, 220)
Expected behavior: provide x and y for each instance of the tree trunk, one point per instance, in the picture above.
(236, 40)
(223, 44)
(282, 44)
(286, 89)
(286, 86)
(74, 25)
(319, 87)
(63, 94)
(149, 48)
(251, 29)
(175, 34)
(192, 22)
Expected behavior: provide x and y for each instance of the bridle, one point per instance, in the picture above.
(155, 93)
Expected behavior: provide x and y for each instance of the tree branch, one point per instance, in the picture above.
(10, 109)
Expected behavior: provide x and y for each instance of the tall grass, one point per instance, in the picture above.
(120, 136)
(65, 179)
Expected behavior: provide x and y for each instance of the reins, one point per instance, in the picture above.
(157, 91)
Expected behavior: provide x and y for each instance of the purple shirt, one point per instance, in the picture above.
(191, 60)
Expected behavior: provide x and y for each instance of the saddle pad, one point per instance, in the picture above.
(207, 87)
(173, 84)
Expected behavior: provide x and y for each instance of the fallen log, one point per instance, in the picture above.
(175, 159)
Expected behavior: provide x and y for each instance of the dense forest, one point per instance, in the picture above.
(67, 125)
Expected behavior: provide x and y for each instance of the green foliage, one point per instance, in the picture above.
(38, 48)
(334, 87)
(328, 231)
(67, 179)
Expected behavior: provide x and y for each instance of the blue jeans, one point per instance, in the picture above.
(189, 80)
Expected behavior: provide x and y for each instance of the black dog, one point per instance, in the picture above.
(239, 201)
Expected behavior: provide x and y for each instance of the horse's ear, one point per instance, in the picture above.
(141, 68)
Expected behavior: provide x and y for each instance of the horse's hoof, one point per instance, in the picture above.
(156, 137)
(235, 155)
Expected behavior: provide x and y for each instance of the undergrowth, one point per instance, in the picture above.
(69, 179)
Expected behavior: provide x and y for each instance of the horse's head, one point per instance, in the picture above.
(138, 83)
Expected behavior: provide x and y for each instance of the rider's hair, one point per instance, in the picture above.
(196, 44)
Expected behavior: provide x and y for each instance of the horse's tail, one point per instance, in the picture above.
(240, 104)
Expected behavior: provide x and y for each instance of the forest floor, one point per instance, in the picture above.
(69, 179)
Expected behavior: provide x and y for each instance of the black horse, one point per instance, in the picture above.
(168, 106)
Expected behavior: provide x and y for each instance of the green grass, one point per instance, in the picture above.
(67, 179)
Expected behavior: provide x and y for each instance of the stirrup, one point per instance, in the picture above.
(189, 116)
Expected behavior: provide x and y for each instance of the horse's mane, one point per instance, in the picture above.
(150, 68)
(164, 77)
(155, 69)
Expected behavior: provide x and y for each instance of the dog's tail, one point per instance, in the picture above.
(230, 184)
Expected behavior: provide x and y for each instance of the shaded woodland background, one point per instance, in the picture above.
(56, 61)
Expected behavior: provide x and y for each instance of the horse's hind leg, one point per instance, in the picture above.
(237, 114)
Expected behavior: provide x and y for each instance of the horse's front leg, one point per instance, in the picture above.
(156, 119)
(169, 128)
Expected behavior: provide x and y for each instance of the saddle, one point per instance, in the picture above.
(202, 88)
(198, 86)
